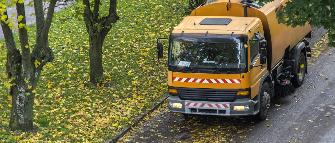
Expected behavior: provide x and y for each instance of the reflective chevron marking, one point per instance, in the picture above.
(189, 104)
(207, 81)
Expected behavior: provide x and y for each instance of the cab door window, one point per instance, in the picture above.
(254, 48)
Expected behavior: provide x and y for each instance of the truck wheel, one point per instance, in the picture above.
(265, 102)
(299, 77)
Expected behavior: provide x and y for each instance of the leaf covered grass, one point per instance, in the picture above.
(68, 110)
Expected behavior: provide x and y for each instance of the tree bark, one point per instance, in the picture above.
(22, 111)
(97, 28)
(23, 36)
(96, 67)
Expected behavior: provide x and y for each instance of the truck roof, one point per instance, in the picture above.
(218, 1)
(216, 24)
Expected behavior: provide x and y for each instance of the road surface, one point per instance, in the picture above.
(306, 115)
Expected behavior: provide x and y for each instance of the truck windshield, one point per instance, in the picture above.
(211, 54)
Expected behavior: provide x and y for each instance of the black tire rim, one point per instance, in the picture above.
(266, 100)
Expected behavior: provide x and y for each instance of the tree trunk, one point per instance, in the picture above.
(22, 111)
(97, 28)
(22, 97)
(21, 71)
(96, 68)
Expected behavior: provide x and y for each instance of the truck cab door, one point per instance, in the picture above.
(257, 70)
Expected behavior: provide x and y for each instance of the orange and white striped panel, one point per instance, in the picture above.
(207, 81)
(207, 105)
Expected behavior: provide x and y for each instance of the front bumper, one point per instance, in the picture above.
(240, 107)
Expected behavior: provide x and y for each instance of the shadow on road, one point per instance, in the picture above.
(165, 126)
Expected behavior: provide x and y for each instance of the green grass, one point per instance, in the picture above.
(66, 109)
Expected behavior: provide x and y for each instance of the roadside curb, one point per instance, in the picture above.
(136, 121)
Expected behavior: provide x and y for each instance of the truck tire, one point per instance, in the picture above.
(300, 74)
(264, 102)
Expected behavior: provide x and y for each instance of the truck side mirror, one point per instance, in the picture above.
(159, 49)
(263, 51)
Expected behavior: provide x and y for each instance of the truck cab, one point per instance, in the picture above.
(214, 65)
(230, 57)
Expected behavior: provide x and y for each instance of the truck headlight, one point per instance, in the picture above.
(176, 105)
(241, 108)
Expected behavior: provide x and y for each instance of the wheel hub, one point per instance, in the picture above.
(266, 99)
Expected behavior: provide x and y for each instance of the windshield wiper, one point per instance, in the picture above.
(190, 69)
(220, 70)
(182, 69)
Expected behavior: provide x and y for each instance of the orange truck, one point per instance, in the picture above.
(231, 57)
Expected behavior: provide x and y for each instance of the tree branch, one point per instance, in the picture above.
(88, 16)
(48, 20)
(23, 35)
(111, 18)
(112, 8)
(96, 9)
(8, 34)
(13, 66)
(38, 5)
(112, 15)
(42, 53)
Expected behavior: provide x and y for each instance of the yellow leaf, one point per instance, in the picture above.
(115, 125)
(7, 85)
(20, 1)
(3, 17)
(20, 18)
(37, 63)
(10, 25)
(21, 25)
(49, 85)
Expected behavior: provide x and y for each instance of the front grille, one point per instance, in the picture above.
(208, 111)
(207, 94)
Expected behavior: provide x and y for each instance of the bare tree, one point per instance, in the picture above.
(98, 27)
(23, 66)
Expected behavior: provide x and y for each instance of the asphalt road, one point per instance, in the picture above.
(306, 115)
